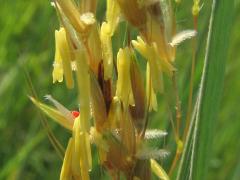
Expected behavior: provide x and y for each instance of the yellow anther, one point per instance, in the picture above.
(65, 54)
(196, 8)
(106, 42)
(151, 95)
(67, 162)
(158, 170)
(57, 65)
(107, 30)
(155, 64)
(179, 146)
(112, 15)
(124, 87)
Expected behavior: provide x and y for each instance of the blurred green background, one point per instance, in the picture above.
(27, 47)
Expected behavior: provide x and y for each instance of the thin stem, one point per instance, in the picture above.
(178, 110)
(178, 121)
(172, 122)
(190, 97)
(174, 163)
(176, 136)
(178, 103)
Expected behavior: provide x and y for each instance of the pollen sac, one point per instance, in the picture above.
(124, 87)
(196, 8)
(66, 172)
(107, 50)
(65, 54)
(82, 149)
(57, 65)
(157, 66)
(112, 15)
(158, 170)
(151, 95)
(107, 30)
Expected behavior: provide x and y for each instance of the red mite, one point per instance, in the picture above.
(75, 113)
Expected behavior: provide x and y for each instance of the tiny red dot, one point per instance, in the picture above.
(75, 113)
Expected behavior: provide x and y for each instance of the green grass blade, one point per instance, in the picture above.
(15, 162)
(236, 171)
(198, 146)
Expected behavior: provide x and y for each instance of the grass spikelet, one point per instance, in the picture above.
(128, 79)
(56, 115)
(60, 107)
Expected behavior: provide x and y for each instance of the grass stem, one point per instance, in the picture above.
(190, 97)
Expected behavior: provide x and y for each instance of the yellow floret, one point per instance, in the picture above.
(124, 87)
(65, 56)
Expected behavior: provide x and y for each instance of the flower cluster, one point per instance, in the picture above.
(114, 99)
